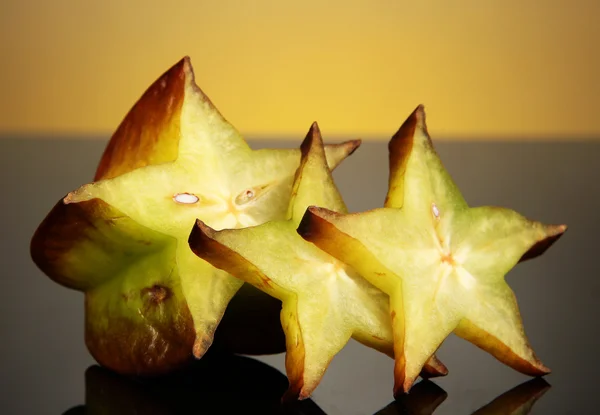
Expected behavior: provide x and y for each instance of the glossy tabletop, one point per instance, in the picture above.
(46, 368)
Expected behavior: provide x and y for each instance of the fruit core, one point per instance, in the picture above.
(450, 264)
(336, 272)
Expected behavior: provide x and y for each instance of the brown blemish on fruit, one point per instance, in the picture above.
(316, 229)
(203, 244)
(149, 133)
(266, 282)
(157, 293)
(72, 231)
(553, 233)
(401, 383)
(400, 149)
(201, 345)
(312, 144)
(433, 368)
(65, 226)
(154, 345)
(135, 342)
(350, 146)
(295, 356)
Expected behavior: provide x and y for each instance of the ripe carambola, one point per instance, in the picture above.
(150, 303)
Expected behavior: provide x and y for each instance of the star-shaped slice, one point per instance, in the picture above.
(123, 238)
(325, 302)
(442, 263)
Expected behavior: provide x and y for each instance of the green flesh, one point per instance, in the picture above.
(325, 302)
(138, 321)
(447, 263)
(146, 195)
(173, 147)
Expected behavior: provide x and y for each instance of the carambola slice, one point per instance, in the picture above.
(325, 302)
(442, 263)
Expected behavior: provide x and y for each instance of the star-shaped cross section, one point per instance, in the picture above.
(123, 238)
(441, 262)
(325, 302)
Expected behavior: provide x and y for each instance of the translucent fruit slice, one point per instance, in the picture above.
(442, 263)
(123, 238)
(325, 302)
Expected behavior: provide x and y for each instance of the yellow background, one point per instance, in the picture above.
(495, 69)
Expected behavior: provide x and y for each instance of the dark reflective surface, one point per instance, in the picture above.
(43, 357)
(217, 384)
(425, 397)
(227, 384)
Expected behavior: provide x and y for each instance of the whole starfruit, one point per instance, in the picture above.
(150, 303)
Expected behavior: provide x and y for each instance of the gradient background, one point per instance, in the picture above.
(512, 98)
(483, 68)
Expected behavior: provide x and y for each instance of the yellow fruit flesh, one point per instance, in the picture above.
(325, 302)
(172, 159)
(442, 264)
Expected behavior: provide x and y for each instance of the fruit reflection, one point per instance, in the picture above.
(426, 396)
(217, 384)
(227, 384)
